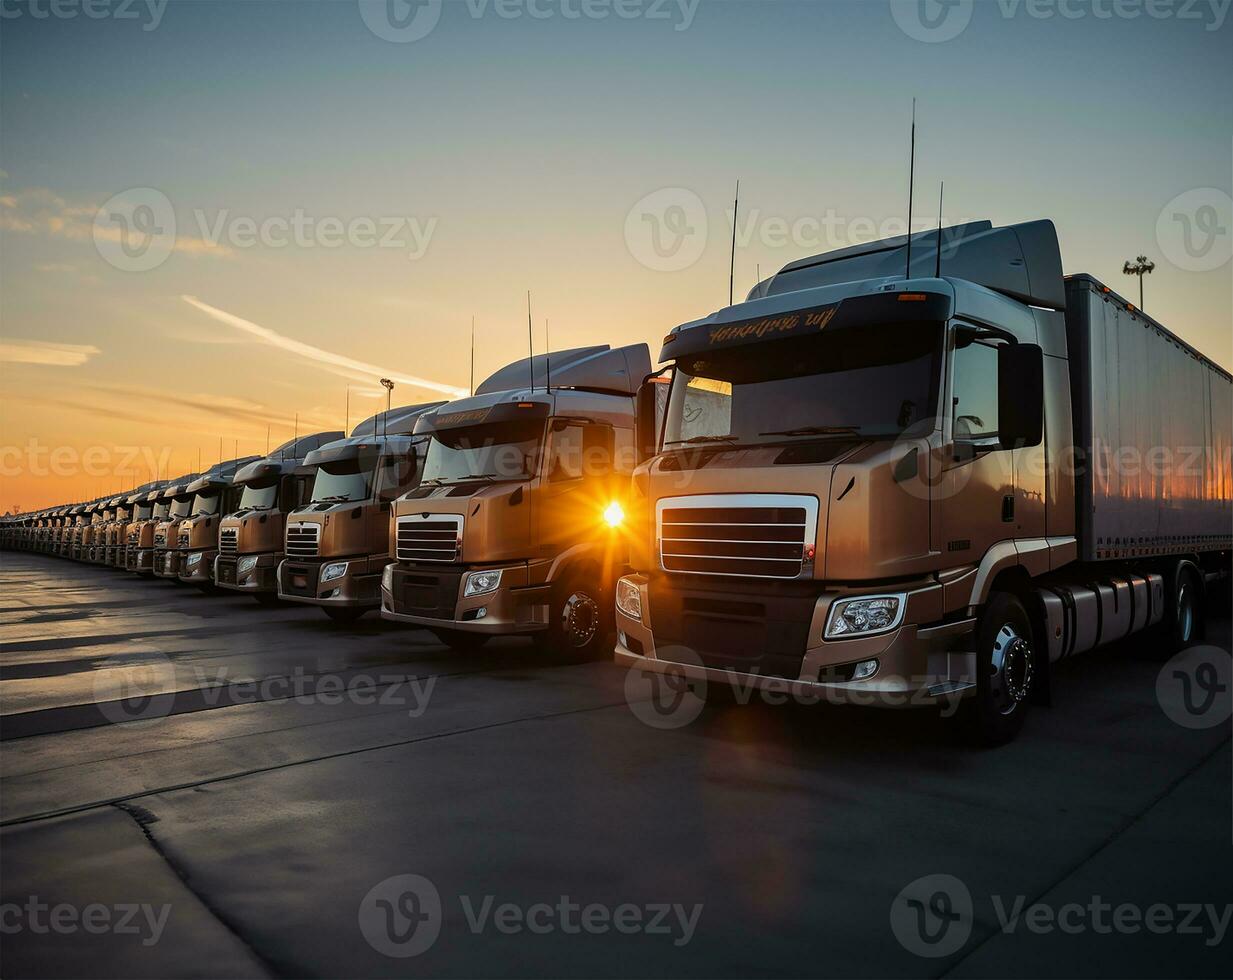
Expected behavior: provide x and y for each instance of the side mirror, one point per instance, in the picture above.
(652, 400)
(1021, 395)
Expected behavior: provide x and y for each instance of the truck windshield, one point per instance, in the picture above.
(206, 504)
(344, 479)
(144, 512)
(181, 507)
(873, 381)
(161, 510)
(499, 451)
(260, 497)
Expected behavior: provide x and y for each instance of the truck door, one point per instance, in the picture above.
(977, 490)
(574, 480)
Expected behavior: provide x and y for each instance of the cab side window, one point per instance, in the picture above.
(565, 452)
(974, 398)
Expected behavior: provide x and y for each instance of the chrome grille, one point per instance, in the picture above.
(432, 537)
(183, 540)
(160, 539)
(302, 540)
(759, 535)
(228, 540)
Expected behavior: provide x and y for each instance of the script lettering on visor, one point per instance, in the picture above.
(463, 418)
(779, 325)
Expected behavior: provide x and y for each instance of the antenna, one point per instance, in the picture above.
(547, 357)
(530, 341)
(911, 188)
(220, 450)
(938, 270)
(297, 427)
(267, 438)
(472, 355)
(736, 210)
(348, 422)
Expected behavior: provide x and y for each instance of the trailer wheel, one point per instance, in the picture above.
(1005, 673)
(344, 614)
(461, 641)
(1185, 617)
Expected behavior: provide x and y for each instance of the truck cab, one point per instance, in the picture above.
(68, 535)
(337, 544)
(214, 494)
(117, 531)
(152, 509)
(251, 538)
(865, 487)
(516, 526)
(166, 557)
(83, 539)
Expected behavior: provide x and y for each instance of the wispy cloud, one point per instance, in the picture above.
(337, 363)
(41, 352)
(37, 210)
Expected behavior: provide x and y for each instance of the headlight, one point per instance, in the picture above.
(246, 565)
(336, 570)
(614, 514)
(864, 616)
(481, 583)
(194, 559)
(629, 598)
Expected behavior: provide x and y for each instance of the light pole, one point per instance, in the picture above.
(388, 385)
(1141, 267)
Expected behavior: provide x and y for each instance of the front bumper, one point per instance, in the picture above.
(261, 579)
(919, 663)
(167, 564)
(199, 572)
(432, 597)
(359, 587)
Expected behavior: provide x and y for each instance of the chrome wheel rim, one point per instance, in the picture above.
(1185, 613)
(580, 619)
(1011, 680)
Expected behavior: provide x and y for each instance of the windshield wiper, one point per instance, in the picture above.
(700, 439)
(334, 499)
(816, 430)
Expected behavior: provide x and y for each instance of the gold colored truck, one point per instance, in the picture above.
(74, 520)
(516, 526)
(337, 544)
(118, 531)
(250, 544)
(166, 557)
(197, 537)
(898, 477)
(83, 539)
(151, 509)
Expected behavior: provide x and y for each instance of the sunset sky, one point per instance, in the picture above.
(508, 150)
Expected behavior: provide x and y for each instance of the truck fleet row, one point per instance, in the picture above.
(890, 476)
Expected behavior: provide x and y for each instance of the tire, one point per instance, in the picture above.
(580, 618)
(1184, 623)
(1005, 674)
(344, 614)
(461, 641)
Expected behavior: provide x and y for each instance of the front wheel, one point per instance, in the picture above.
(580, 619)
(1005, 673)
(1185, 618)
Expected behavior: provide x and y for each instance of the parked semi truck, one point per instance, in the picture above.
(152, 509)
(515, 527)
(118, 532)
(179, 499)
(337, 544)
(250, 544)
(900, 485)
(197, 537)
